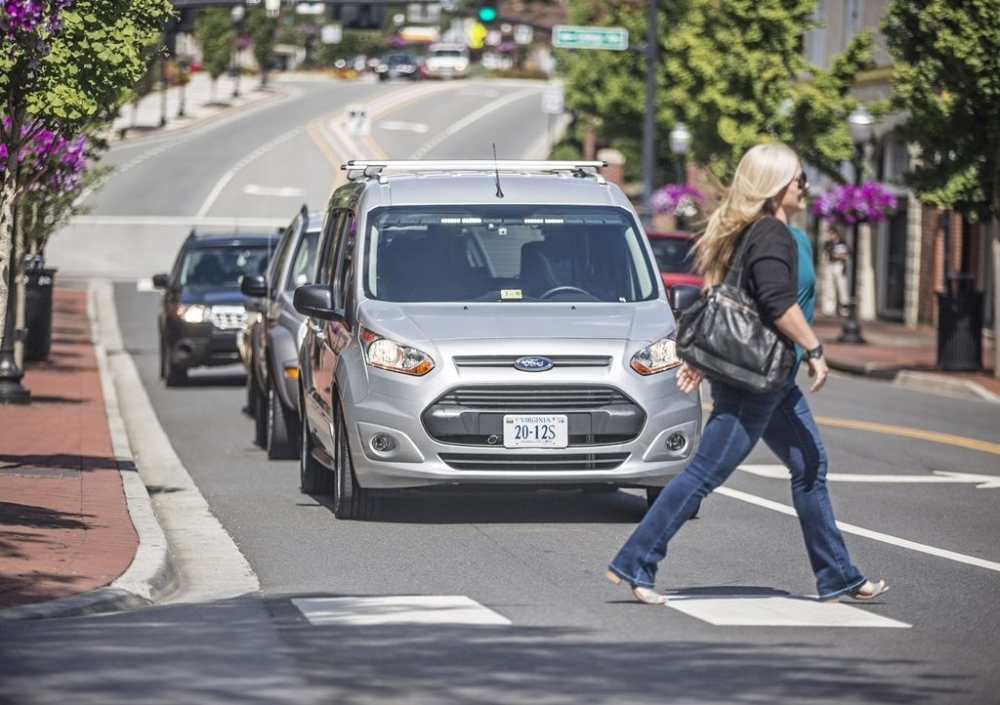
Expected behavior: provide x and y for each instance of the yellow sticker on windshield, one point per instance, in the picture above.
(506, 294)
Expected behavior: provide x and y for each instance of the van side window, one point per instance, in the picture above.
(344, 259)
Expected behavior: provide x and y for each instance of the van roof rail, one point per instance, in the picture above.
(368, 168)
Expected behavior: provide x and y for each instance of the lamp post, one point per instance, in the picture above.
(680, 141)
(236, 15)
(862, 126)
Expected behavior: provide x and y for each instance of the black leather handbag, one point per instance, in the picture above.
(722, 334)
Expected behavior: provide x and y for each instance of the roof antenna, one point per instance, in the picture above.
(496, 171)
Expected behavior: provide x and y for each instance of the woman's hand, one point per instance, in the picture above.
(688, 378)
(818, 371)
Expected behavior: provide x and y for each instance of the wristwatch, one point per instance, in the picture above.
(815, 353)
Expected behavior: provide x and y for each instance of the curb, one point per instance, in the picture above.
(917, 381)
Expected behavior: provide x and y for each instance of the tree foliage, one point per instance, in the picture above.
(215, 34)
(947, 79)
(732, 71)
(263, 32)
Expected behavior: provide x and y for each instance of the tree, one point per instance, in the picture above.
(263, 31)
(947, 79)
(215, 34)
(64, 65)
(732, 71)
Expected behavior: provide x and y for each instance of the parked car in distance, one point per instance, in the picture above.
(397, 64)
(459, 338)
(202, 308)
(275, 330)
(674, 253)
(446, 61)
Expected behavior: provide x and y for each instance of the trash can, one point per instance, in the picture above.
(960, 326)
(38, 283)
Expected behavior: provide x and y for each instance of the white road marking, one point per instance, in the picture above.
(776, 611)
(982, 482)
(400, 125)
(179, 220)
(867, 533)
(406, 609)
(281, 191)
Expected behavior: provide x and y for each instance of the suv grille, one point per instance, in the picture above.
(596, 415)
(228, 317)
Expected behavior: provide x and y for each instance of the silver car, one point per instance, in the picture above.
(478, 323)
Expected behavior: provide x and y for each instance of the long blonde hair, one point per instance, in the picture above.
(763, 174)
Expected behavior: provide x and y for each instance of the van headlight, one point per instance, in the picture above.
(389, 355)
(194, 313)
(660, 356)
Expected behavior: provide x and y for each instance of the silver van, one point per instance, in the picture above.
(486, 323)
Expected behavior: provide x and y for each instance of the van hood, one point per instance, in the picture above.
(414, 323)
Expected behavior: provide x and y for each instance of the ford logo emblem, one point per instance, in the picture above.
(533, 364)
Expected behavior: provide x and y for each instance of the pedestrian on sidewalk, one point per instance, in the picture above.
(768, 188)
(838, 254)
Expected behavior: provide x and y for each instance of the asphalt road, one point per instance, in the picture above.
(527, 616)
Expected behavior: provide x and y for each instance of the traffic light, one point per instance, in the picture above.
(486, 12)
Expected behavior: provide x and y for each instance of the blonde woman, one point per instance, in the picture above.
(768, 188)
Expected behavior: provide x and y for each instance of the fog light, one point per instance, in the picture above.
(676, 442)
(382, 443)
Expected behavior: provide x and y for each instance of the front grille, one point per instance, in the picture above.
(511, 462)
(509, 360)
(531, 398)
(229, 317)
(473, 415)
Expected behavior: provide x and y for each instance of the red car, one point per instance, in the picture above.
(674, 252)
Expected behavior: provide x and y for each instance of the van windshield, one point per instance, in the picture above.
(506, 254)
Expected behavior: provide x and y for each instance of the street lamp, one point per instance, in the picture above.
(236, 15)
(680, 141)
(861, 125)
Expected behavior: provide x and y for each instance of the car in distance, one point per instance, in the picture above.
(674, 253)
(485, 323)
(446, 61)
(397, 64)
(201, 307)
(274, 335)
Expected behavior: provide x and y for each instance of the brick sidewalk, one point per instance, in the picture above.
(64, 522)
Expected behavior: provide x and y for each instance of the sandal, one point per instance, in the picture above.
(645, 595)
(868, 591)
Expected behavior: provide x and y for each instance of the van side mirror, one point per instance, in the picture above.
(316, 301)
(683, 296)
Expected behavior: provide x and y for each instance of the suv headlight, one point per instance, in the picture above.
(660, 356)
(194, 313)
(389, 355)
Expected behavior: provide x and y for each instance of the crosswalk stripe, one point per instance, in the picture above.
(397, 609)
(776, 611)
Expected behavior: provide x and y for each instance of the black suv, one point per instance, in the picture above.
(274, 331)
(202, 307)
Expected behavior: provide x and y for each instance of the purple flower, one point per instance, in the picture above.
(679, 199)
(849, 204)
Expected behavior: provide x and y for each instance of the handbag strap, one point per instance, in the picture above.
(734, 276)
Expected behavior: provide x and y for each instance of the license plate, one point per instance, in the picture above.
(535, 431)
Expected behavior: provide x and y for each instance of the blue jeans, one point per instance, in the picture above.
(738, 420)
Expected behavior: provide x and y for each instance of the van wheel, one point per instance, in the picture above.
(282, 441)
(259, 413)
(313, 477)
(350, 501)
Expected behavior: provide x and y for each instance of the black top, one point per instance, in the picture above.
(771, 267)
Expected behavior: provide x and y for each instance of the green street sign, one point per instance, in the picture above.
(568, 37)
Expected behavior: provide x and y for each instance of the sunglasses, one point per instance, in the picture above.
(802, 181)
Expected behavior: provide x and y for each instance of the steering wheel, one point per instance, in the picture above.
(565, 290)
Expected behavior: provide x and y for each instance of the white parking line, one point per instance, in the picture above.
(395, 610)
(776, 611)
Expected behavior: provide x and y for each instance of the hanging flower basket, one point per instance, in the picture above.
(677, 199)
(849, 204)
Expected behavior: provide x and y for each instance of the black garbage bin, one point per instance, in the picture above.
(960, 327)
(38, 283)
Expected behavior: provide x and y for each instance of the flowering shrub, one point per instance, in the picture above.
(849, 204)
(678, 199)
(48, 160)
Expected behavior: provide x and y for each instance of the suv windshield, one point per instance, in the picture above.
(506, 253)
(221, 266)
